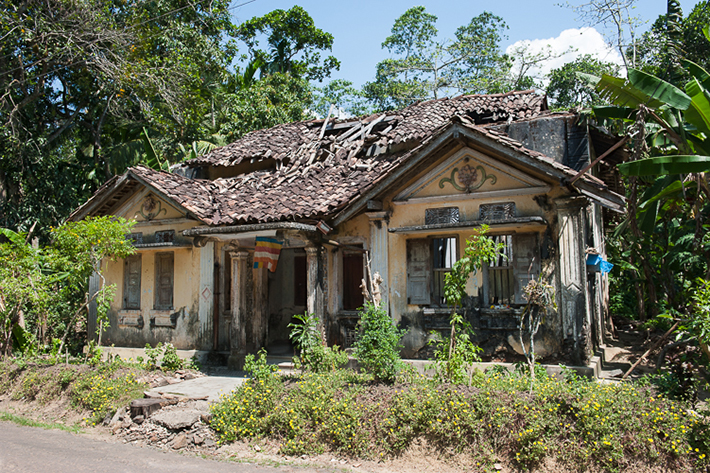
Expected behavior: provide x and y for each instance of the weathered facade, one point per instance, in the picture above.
(403, 188)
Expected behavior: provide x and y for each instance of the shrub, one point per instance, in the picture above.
(377, 347)
(165, 357)
(314, 355)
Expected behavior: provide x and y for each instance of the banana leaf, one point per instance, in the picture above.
(698, 113)
(697, 72)
(659, 89)
(614, 113)
(622, 93)
(152, 158)
(658, 166)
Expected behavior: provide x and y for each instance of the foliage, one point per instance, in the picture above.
(455, 354)
(100, 389)
(294, 42)
(664, 249)
(618, 21)
(314, 354)
(340, 94)
(567, 88)
(258, 368)
(277, 98)
(44, 291)
(423, 68)
(453, 365)
(673, 37)
(103, 393)
(377, 347)
(700, 321)
(164, 356)
(577, 422)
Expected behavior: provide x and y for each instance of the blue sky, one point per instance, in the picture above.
(359, 27)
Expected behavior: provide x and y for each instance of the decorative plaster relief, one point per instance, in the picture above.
(151, 208)
(469, 178)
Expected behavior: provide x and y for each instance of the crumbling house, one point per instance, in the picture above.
(404, 188)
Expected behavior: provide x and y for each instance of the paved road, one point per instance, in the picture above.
(35, 450)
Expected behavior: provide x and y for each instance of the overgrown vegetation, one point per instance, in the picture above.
(99, 390)
(577, 422)
(44, 292)
(378, 344)
(314, 354)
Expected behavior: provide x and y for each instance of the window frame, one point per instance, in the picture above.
(126, 281)
(160, 259)
(414, 274)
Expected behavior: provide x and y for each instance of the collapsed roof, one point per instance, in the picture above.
(315, 169)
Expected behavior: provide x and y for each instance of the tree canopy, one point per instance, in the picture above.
(423, 67)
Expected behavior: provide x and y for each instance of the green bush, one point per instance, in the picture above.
(377, 347)
(314, 355)
(257, 367)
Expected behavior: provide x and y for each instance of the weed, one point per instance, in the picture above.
(314, 354)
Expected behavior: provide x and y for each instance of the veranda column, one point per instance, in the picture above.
(260, 321)
(576, 323)
(379, 260)
(314, 302)
(237, 335)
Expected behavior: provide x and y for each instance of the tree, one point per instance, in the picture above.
(341, 94)
(424, 68)
(294, 44)
(617, 16)
(44, 291)
(277, 98)
(668, 192)
(79, 80)
(568, 89)
(455, 354)
(673, 37)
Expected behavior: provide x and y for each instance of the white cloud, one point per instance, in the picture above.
(576, 41)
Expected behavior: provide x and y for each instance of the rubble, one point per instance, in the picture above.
(180, 426)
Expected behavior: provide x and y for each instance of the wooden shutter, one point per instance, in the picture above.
(352, 279)
(132, 282)
(526, 262)
(164, 280)
(419, 271)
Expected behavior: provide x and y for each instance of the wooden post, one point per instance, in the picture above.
(238, 336)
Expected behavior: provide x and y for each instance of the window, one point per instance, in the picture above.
(164, 263)
(428, 261)
(501, 280)
(352, 279)
(505, 278)
(132, 283)
(165, 236)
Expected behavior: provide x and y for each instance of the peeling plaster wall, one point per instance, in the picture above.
(189, 324)
(501, 332)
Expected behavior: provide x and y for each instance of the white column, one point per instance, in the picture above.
(206, 295)
(379, 252)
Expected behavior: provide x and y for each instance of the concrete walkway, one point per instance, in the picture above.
(211, 386)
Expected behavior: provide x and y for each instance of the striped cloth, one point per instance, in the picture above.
(266, 253)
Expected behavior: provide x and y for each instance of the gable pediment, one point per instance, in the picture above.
(471, 174)
(145, 206)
